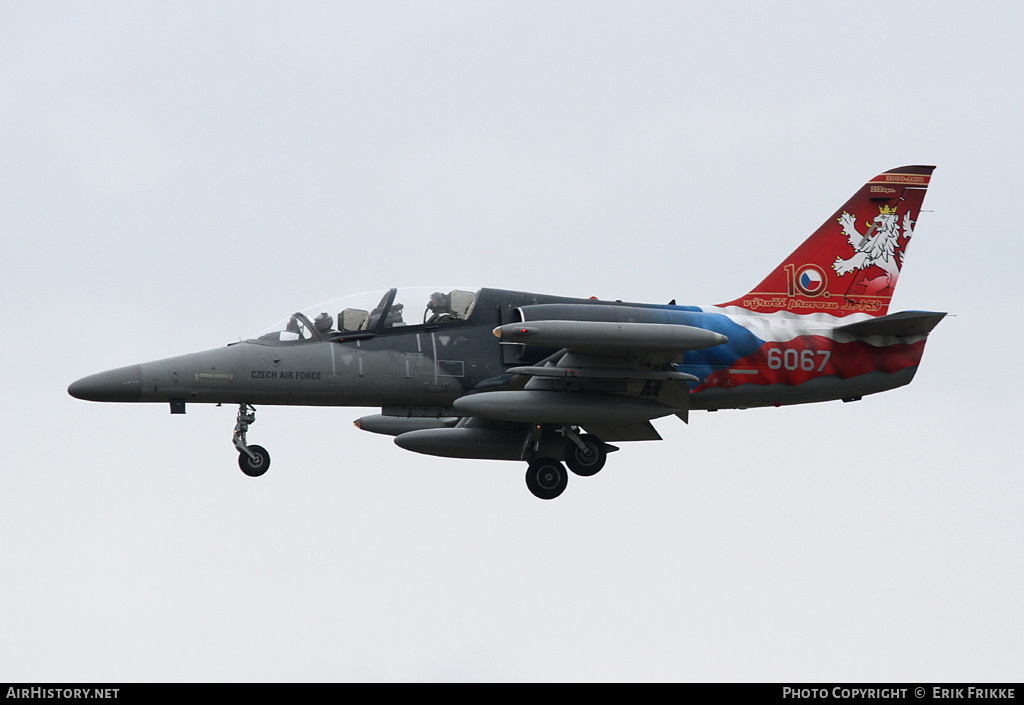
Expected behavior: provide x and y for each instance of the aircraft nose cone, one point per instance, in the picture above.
(122, 384)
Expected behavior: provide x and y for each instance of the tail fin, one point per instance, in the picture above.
(852, 262)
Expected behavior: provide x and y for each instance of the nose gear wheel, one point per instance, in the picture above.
(256, 465)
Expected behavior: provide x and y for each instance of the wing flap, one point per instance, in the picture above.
(639, 431)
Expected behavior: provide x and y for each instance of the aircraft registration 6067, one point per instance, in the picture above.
(553, 381)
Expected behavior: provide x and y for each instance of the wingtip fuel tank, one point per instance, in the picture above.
(397, 425)
(609, 336)
(558, 407)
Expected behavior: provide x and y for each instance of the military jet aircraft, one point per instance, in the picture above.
(464, 372)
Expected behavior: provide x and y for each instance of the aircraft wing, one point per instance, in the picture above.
(634, 360)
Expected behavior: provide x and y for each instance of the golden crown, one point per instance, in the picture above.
(886, 210)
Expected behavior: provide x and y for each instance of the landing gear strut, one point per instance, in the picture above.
(253, 460)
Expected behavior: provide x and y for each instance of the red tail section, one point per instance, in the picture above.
(852, 262)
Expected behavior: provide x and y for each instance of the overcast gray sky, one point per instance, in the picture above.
(175, 176)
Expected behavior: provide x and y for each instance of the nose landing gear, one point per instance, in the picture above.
(252, 459)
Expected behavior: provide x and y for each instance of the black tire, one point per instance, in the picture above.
(585, 463)
(546, 478)
(251, 467)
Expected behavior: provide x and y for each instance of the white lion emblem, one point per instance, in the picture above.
(878, 247)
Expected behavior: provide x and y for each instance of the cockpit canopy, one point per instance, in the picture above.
(375, 312)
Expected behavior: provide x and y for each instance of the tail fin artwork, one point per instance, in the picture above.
(852, 262)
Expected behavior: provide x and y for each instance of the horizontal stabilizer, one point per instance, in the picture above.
(899, 325)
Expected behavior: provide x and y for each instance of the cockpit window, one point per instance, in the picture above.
(376, 312)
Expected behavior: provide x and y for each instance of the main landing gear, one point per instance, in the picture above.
(253, 460)
(546, 478)
(584, 455)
